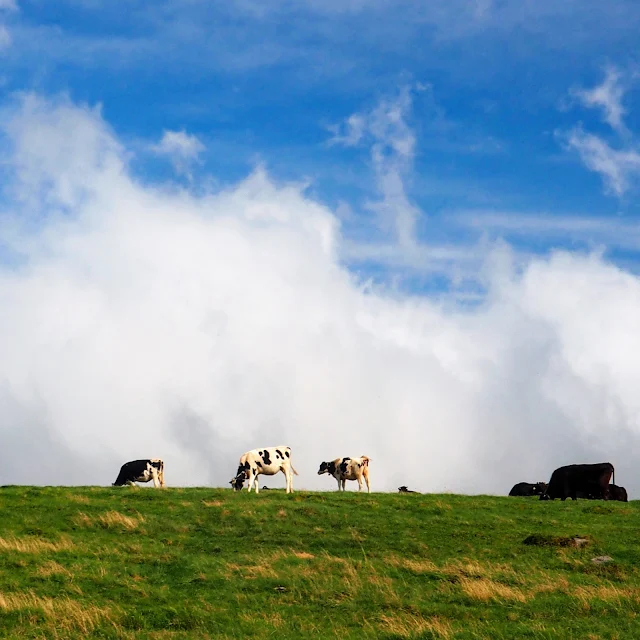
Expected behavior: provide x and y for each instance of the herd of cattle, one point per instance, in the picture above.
(588, 481)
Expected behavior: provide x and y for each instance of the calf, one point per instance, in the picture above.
(526, 489)
(571, 480)
(343, 469)
(403, 489)
(617, 493)
(268, 461)
(141, 471)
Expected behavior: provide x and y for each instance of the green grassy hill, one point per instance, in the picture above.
(205, 563)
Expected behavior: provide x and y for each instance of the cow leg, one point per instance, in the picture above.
(344, 482)
(250, 480)
(256, 482)
(338, 479)
(360, 483)
(131, 483)
(154, 476)
(287, 476)
(366, 478)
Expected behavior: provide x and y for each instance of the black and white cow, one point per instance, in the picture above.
(343, 469)
(403, 489)
(268, 461)
(141, 471)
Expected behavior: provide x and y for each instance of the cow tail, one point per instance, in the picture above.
(292, 469)
(614, 474)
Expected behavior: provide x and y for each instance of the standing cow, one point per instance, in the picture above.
(590, 479)
(343, 469)
(141, 471)
(527, 489)
(268, 461)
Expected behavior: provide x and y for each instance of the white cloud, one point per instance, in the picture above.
(140, 321)
(5, 38)
(392, 141)
(607, 97)
(181, 147)
(8, 5)
(619, 168)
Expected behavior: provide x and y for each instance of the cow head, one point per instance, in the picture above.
(238, 482)
(324, 468)
(539, 488)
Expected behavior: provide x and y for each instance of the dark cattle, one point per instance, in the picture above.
(589, 479)
(141, 471)
(617, 493)
(403, 489)
(526, 489)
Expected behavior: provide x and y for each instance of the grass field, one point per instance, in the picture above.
(208, 563)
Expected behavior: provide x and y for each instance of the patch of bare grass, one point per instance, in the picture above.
(410, 625)
(486, 589)
(31, 544)
(63, 613)
(52, 568)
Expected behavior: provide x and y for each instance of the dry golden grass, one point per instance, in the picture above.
(79, 498)
(606, 592)
(303, 555)
(113, 519)
(485, 589)
(30, 544)
(272, 619)
(108, 520)
(407, 625)
(212, 503)
(417, 566)
(63, 613)
(52, 568)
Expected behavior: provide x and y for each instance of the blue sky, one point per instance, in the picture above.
(353, 227)
(494, 90)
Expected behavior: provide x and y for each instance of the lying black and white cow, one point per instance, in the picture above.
(343, 469)
(403, 489)
(141, 471)
(268, 461)
(527, 489)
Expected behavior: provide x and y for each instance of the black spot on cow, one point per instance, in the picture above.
(327, 467)
(344, 464)
(279, 454)
(286, 453)
(259, 463)
(265, 457)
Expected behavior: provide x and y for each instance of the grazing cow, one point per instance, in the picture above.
(590, 479)
(403, 489)
(617, 493)
(526, 489)
(343, 469)
(141, 471)
(267, 461)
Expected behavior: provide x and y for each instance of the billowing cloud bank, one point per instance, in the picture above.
(137, 321)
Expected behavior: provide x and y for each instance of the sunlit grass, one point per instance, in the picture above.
(208, 563)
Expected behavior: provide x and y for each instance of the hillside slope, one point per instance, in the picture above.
(208, 563)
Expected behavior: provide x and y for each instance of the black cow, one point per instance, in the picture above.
(527, 489)
(403, 489)
(141, 471)
(590, 479)
(617, 493)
